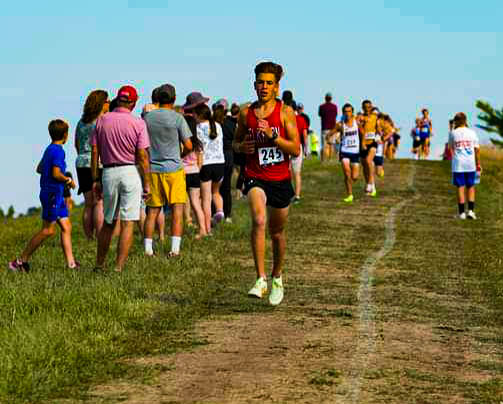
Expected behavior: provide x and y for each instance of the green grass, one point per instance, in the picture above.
(62, 330)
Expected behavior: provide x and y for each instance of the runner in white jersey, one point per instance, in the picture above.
(464, 144)
(349, 148)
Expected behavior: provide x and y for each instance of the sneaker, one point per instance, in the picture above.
(373, 193)
(471, 215)
(228, 220)
(259, 289)
(296, 199)
(19, 266)
(217, 218)
(75, 265)
(276, 295)
(348, 199)
(462, 216)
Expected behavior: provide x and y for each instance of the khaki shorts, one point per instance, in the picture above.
(329, 139)
(167, 189)
(297, 162)
(122, 193)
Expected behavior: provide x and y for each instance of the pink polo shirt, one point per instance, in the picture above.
(118, 135)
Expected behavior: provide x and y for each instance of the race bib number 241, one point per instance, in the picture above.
(270, 155)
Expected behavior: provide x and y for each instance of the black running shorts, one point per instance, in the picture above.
(212, 172)
(364, 152)
(278, 193)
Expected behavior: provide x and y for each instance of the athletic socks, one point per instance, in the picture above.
(461, 208)
(175, 244)
(148, 246)
(471, 205)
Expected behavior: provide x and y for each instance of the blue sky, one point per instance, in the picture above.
(443, 55)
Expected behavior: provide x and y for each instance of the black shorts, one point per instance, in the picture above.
(212, 172)
(278, 193)
(379, 161)
(364, 152)
(85, 179)
(192, 181)
(354, 158)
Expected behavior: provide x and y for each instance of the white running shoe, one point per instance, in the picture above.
(276, 295)
(471, 215)
(462, 216)
(259, 290)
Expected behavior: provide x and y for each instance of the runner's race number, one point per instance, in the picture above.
(270, 155)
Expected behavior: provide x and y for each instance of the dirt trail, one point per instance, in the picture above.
(331, 341)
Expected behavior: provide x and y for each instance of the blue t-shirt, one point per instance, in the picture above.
(54, 155)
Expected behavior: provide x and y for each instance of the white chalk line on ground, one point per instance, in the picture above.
(350, 389)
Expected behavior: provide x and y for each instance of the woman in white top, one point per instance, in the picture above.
(464, 144)
(192, 164)
(210, 134)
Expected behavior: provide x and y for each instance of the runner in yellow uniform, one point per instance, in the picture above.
(367, 123)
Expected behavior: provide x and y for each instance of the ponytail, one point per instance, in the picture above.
(204, 112)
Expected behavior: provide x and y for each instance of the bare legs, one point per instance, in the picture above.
(368, 169)
(195, 202)
(210, 190)
(92, 215)
(277, 221)
(125, 242)
(470, 193)
(297, 180)
(351, 172)
(48, 230)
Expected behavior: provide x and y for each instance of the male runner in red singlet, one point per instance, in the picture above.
(267, 133)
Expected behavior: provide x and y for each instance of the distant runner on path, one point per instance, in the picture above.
(426, 133)
(350, 149)
(464, 144)
(367, 121)
(267, 134)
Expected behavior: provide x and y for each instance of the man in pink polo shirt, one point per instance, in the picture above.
(120, 141)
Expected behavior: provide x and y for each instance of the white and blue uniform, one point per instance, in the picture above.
(350, 143)
(463, 142)
(425, 132)
(379, 157)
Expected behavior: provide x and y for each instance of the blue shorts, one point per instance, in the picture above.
(354, 158)
(464, 179)
(379, 161)
(53, 206)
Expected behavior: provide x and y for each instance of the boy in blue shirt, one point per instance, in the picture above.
(54, 210)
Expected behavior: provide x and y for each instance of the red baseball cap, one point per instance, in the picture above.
(127, 93)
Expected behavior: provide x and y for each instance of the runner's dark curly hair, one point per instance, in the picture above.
(94, 105)
(269, 67)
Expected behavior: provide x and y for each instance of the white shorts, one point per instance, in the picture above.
(122, 193)
(297, 162)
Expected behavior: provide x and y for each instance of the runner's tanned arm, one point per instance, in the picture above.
(291, 144)
(142, 160)
(239, 144)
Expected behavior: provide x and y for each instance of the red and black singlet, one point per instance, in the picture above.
(268, 163)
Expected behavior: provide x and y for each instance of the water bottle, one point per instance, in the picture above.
(477, 176)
